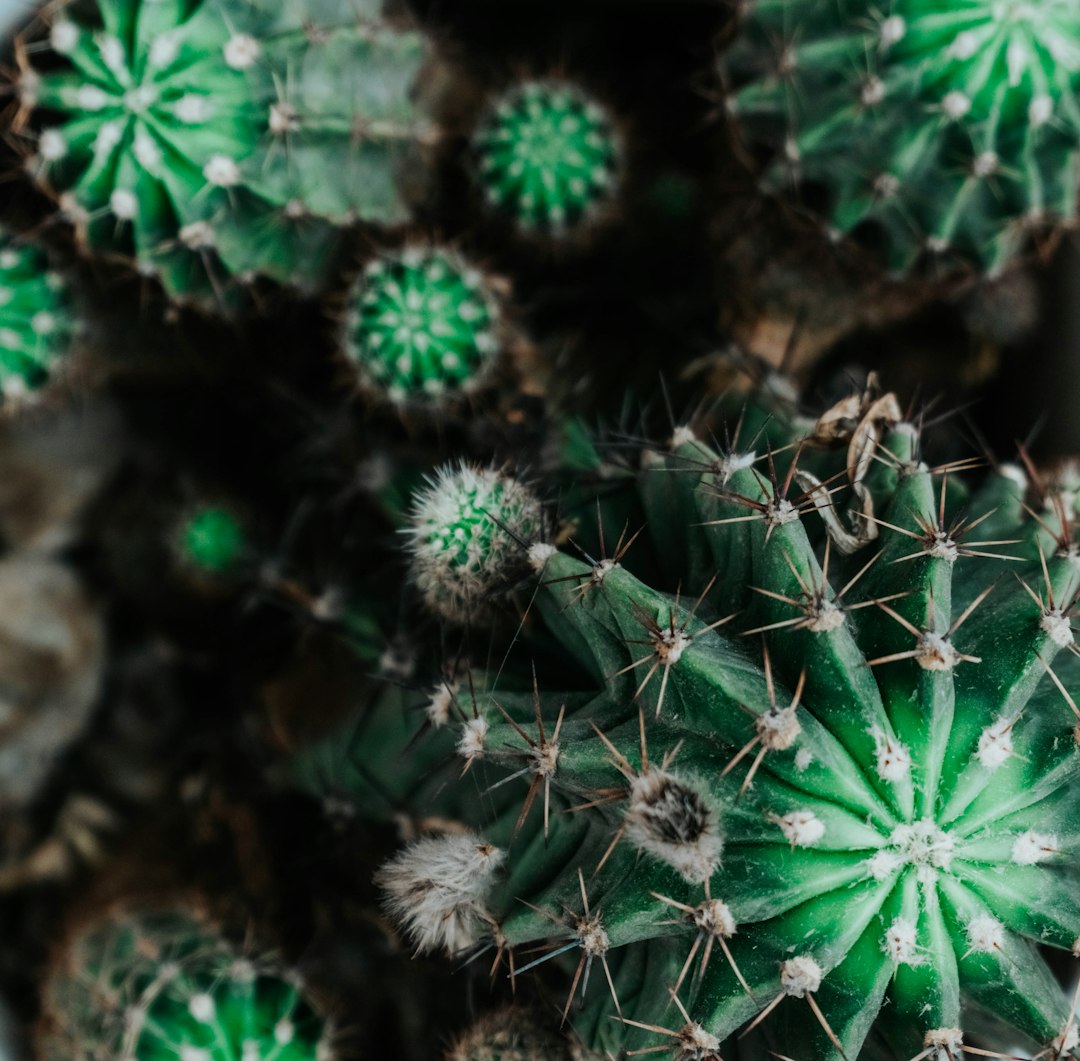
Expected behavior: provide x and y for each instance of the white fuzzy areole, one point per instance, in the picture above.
(539, 554)
(1030, 848)
(1056, 627)
(893, 758)
(437, 887)
(900, 942)
(800, 976)
(936, 652)
(714, 917)
(802, 828)
(778, 729)
(995, 744)
(470, 745)
(985, 934)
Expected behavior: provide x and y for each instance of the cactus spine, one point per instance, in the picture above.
(806, 763)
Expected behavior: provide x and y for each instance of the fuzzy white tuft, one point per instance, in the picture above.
(985, 934)
(437, 887)
(900, 943)
(800, 976)
(470, 745)
(777, 729)
(995, 744)
(802, 828)
(1031, 847)
(670, 820)
(893, 759)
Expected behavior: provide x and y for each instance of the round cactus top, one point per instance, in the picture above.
(212, 539)
(152, 986)
(548, 155)
(955, 130)
(172, 133)
(422, 325)
(469, 536)
(36, 326)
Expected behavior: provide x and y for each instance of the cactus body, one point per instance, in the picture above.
(799, 753)
(956, 132)
(146, 986)
(422, 326)
(212, 540)
(36, 325)
(548, 156)
(217, 140)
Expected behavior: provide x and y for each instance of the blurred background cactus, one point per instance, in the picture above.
(466, 485)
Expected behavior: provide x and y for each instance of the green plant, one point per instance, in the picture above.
(36, 323)
(212, 540)
(955, 132)
(800, 756)
(423, 326)
(151, 985)
(548, 155)
(513, 1035)
(216, 140)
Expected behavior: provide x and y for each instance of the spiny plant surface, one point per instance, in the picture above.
(422, 325)
(159, 986)
(548, 155)
(213, 140)
(954, 128)
(793, 752)
(36, 323)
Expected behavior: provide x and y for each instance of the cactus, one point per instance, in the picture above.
(465, 534)
(796, 758)
(955, 133)
(36, 323)
(211, 541)
(548, 156)
(423, 326)
(216, 140)
(143, 985)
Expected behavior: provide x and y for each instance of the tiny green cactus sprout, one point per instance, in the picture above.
(956, 132)
(217, 140)
(211, 541)
(36, 324)
(549, 156)
(465, 539)
(151, 985)
(423, 326)
(799, 757)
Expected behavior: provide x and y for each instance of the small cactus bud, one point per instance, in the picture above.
(548, 156)
(470, 535)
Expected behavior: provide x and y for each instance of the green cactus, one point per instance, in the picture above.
(423, 326)
(462, 558)
(955, 132)
(548, 155)
(150, 985)
(216, 140)
(212, 540)
(800, 757)
(36, 324)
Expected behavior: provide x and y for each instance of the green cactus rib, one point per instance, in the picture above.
(422, 325)
(216, 140)
(821, 783)
(548, 156)
(955, 129)
(152, 985)
(37, 327)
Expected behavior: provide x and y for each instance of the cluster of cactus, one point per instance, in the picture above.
(215, 141)
(754, 736)
(955, 132)
(144, 985)
(793, 756)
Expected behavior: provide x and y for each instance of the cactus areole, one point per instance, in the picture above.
(822, 783)
(955, 129)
